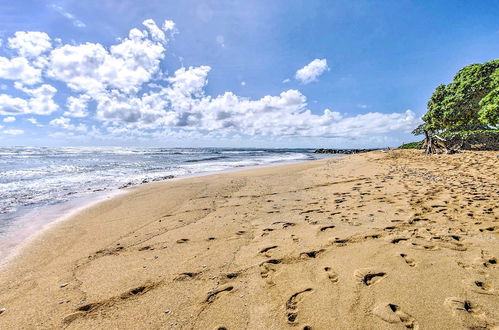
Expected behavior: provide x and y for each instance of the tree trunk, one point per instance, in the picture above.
(429, 143)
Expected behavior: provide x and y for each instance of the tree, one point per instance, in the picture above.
(489, 112)
(471, 101)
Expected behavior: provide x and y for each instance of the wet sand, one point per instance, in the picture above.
(390, 240)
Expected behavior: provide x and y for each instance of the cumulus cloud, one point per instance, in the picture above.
(156, 33)
(123, 88)
(91, 68)
(184, 105)
(40, 102)
(12, 105)
(30, 44)
(9, 119)
(77, 106)
(65, 123)
(310, 72)
(19, 69)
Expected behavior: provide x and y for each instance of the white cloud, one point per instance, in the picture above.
(34, 121)
(65, 123)
(285, 81)
(310, 72)
(76, 22)
(19, 69)
(154, 30)
(243, 83)
(30, 44)
(77, 106)
(13, 131)
(183, 105)
(40, 102)
(91, 68)
(132, 96)
(168, 25)
(12, 105)
(189, 81)
(9, 119)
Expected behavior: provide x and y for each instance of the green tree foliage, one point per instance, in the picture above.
(489, 112)
(471, 101)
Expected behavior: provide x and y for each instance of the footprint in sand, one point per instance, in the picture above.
(326, 228)
(426, 247)
(462, 306)
(398, 240)
(368, 276)
(187, 276)
(311, 254)
(292, 304)
(469, 313)
(408, 260)
(214, 294)
(480, 286)
(267, 267)
(331, 274)
(392, 313)
(489, 262)
(267, 249)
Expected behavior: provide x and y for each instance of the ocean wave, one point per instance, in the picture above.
(37, 176)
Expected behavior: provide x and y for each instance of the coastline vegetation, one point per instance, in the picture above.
(463, 114)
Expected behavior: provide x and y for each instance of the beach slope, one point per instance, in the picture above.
(372, 241)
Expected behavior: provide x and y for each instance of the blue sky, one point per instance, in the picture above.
(225, 74)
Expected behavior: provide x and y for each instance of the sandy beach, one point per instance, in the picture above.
(379, 240)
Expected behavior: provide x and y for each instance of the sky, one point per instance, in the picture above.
(281, 73)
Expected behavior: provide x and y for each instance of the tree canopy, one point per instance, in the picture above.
(470, 101)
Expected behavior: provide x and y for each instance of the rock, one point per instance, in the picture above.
(2, 310)
(168, 177)
(63, 285)
(129, 184)
(342, 151)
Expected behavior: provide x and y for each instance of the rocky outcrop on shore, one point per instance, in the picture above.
(342, 151)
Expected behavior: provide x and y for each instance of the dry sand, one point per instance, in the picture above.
(374, 241)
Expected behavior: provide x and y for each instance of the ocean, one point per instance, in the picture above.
(34, 179)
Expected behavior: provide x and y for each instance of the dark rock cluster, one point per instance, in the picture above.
(342, 151)
(129, 184)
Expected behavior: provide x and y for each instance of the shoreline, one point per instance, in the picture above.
(345, 241)
(15, 240)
